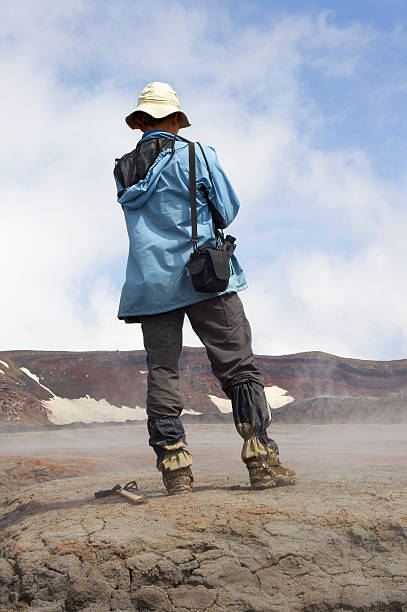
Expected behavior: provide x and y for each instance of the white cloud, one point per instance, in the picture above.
(73, 72)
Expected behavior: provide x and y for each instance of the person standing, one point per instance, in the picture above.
(153, 184)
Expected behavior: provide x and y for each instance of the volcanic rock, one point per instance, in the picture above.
(335, 541)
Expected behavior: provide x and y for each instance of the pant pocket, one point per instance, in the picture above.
(233, 309)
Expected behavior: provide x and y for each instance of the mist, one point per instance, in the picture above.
(214, 447)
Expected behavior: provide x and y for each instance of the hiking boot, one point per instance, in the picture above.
(283, 476)
(260, 478)
(265, 476)
(178, 482)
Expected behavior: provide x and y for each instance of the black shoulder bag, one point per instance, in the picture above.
(208, 266)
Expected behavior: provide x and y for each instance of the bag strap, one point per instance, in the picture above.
(192, 194)
(207, 165)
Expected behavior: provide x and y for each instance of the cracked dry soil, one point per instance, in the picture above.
(335, 541)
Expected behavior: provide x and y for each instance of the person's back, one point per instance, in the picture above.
(153, 184)
(157, 173)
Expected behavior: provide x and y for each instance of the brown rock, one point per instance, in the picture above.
(192, 598)
(87, 591)
(6, 573)
(151, 598)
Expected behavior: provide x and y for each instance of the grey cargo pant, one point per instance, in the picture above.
(221, 325)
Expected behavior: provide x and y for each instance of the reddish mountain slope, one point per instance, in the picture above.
(120, 379)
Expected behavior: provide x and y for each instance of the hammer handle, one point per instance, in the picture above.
(132, 497)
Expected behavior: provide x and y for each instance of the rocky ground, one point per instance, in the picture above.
(335, 541)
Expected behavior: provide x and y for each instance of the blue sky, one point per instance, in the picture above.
(305, 104)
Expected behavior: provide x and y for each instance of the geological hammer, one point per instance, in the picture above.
(127, 492)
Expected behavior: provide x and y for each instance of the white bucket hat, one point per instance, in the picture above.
(158, 100)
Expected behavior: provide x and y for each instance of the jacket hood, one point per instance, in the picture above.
(137, 172)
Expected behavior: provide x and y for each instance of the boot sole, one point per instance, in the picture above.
(282, 482)
(266, 485)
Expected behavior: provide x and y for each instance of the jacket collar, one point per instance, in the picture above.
(159, 134)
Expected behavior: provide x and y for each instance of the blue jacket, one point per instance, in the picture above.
(158, 219)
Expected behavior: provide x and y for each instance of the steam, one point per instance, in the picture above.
(306, 448)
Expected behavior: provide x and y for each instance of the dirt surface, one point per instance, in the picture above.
(335, 541)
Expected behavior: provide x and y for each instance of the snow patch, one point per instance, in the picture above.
(1, 371)
(222, 403)
(4, 363)
(27, 372)
(85, 409)
(276, 397)
(89, 410)
(145, 372)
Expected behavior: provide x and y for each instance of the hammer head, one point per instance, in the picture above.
(107, 492)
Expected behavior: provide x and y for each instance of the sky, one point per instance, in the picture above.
(305, 103)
